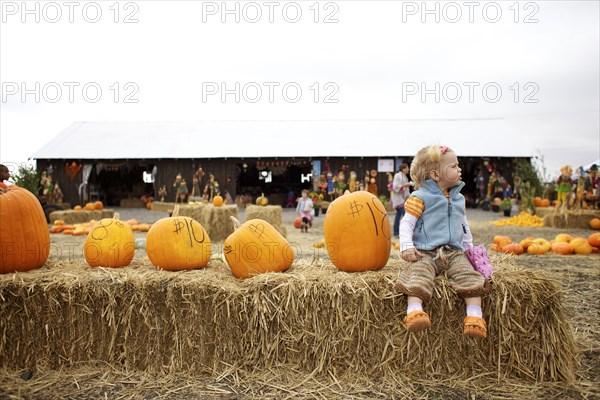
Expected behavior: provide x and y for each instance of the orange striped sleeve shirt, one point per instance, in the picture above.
(414, 206)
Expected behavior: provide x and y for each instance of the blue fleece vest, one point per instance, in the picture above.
(441, 221)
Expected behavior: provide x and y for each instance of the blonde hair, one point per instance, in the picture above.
(426, 160)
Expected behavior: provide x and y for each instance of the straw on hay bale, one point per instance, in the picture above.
(132, 203)
(163, 206)
(216, 221)
(79, 217)
(312, 319)
(271, 214)
(567, 219)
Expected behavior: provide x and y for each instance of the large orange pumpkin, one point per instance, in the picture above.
(357, 232)
(595, 223)
(178, 243)
(256, 247)
(110, 243)
(24, 236)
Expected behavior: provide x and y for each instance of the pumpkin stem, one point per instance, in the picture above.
(175, 211)
(236, 222)
(117, 216)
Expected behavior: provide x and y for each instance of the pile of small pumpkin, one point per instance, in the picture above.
(563, 244)
(523, 219)
(95, 206)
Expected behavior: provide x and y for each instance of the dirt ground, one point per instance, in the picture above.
(578, 275)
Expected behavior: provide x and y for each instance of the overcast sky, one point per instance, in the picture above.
(534, 63)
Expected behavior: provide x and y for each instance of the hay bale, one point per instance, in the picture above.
(163, 206)
(568, 219)
(216, 221)
(271, 214)
(312, 319)
(80, 217)
(132, 203)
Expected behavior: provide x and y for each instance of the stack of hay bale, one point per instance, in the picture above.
(271, 214)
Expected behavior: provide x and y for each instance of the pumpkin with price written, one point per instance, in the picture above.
(110, 243)
(357, 232)
(255, 247)
(178, 243)
(24, 236)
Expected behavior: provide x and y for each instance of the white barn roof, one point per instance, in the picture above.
(328, 138)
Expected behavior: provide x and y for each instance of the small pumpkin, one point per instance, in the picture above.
(298, 223)
(563, 237)
(563, 248)
(110, 243)
(536, 248)
(59, 222)
(595, 223)
(217, 201)
(525, 243)
(357, 232)
(594, 240)
(512, 248)
(98, 205)
(77, 208)
(537, 201)
(149, 205)
(262, 200)
(502, 240)
(178, 243)
(256, 247)
(24, 236)
(545, 203)
(89, 207)
(583, 248)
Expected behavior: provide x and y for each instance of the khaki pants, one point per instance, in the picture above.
(417, 278)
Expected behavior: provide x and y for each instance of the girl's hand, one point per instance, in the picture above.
(411, 255)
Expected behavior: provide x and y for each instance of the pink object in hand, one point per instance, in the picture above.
(480, 260)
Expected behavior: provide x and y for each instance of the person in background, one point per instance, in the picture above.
(305, 208)
(400, 193)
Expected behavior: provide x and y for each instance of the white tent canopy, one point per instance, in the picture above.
(328, 138)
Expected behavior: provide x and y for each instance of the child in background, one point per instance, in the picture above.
(304, 208)
(434, 234)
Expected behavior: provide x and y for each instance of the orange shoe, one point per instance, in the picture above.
(475, 327)
(417, 321)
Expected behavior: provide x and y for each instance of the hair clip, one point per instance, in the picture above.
(443, 149)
